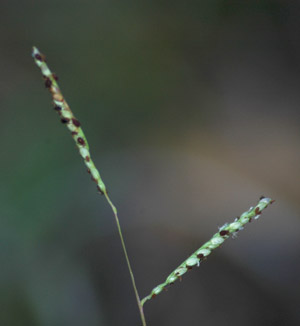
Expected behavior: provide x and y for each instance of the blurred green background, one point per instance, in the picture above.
(191, 110)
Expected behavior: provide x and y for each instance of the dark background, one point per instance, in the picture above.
(191, 109)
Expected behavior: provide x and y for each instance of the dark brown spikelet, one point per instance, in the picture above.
(65, 120)
(87, 158)
(48, 83)
(257, 211)
(38, 57)
(81, 141)
(57, 108)
(74, 133)
(200, 256)
(55, 77)
(76, 122)
(223, 233)
(261, 197)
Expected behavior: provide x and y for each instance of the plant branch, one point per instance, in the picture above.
(68, 118)
(217, 239)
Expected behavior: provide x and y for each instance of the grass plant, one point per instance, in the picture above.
(72, 123)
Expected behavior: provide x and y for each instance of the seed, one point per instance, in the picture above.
(81, 141)
(38, 57)
(224, 232)
(76, 122)
(48, 83)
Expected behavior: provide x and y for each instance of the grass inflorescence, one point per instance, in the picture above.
(217, 239)
(74, 126)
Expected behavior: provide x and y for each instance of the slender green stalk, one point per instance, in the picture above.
(114, 209)
(217, 239)
(68, 118)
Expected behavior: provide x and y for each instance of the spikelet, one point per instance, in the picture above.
(199, 255)
(68, 118)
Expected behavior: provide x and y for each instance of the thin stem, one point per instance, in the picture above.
(114, 209)
(68, 118)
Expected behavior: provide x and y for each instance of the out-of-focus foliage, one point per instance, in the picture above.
(191, 110)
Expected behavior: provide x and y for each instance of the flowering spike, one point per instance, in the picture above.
(67, 117)
(217, 239)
